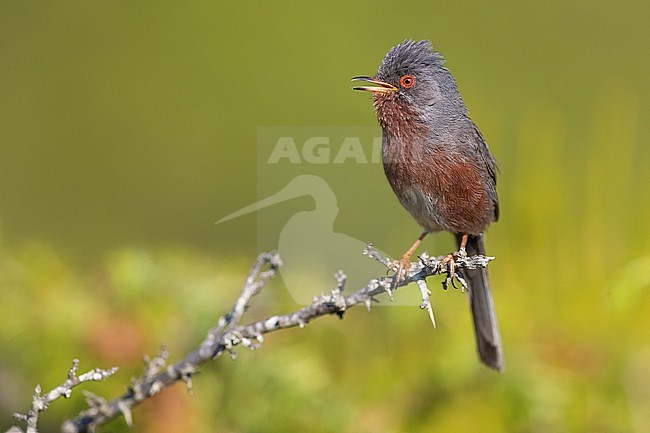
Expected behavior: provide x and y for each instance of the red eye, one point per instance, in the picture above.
(407, 81)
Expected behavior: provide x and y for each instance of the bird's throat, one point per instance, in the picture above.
(398, 119)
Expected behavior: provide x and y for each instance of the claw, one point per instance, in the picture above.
(449, 262)
(401, 268)
(462, 281)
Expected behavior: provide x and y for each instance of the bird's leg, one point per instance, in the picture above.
(450, 262)
(402, 266)
(463, 244)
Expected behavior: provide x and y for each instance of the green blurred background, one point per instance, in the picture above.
(128, 128)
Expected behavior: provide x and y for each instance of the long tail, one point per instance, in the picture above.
(486, 329)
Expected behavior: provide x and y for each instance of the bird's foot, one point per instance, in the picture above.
(448, 265)
(401, 268)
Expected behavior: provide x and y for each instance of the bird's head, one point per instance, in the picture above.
(412, 84)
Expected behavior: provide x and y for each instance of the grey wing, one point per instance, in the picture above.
(490, 165)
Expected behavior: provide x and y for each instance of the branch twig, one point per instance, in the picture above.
(40, 403)
(229, 332)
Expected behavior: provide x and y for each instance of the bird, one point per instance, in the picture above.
(440, 168)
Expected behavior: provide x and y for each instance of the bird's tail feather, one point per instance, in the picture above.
(486, 329)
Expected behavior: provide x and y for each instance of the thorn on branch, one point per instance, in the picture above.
(186, 373)
(374, 254)
(341, 278)
(426, 303)
(93, 400)
(153, 366)
(126, 413)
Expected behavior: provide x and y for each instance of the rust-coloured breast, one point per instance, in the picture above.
(442, 187)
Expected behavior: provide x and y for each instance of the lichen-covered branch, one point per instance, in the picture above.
(157, 375)
(229, 331)
(40, 402)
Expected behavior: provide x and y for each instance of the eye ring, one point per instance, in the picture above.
(407, 81)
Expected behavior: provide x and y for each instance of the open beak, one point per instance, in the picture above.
(381, 86)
